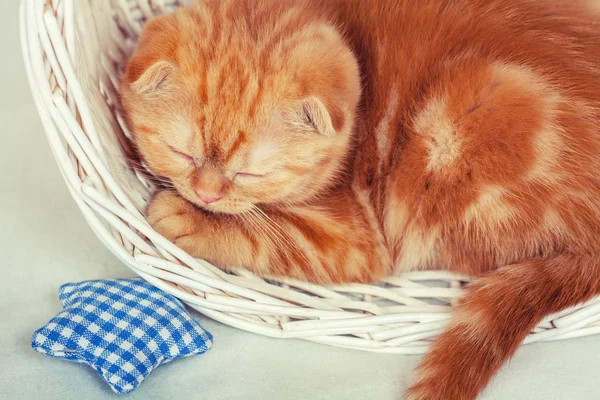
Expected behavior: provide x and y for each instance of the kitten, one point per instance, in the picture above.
(343, 141)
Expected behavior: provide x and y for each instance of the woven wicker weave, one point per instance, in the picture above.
(74, 52)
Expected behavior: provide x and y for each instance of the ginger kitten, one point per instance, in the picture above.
(342, 141)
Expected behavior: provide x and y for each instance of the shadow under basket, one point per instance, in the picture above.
(74, 53)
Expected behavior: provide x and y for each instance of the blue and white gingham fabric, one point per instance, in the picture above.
(122, 328)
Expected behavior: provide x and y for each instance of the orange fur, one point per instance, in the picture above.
(339, 141)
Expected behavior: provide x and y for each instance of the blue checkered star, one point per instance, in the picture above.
(122, 328)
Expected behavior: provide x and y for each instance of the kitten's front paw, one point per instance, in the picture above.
(177, 220)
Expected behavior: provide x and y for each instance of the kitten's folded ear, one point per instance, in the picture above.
(327, 73)
(313, 114)
(154, 78)
(149, 70)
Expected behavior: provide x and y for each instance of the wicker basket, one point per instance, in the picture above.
(74, 52)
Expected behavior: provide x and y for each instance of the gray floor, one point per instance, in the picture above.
(45, 242)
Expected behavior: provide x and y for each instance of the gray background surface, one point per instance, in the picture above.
(45, 242)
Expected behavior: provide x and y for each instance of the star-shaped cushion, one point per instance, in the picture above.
(122, 328)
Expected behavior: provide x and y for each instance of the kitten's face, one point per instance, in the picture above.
(235, 125)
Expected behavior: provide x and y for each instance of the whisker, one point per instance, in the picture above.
(282, 234)
(266, 225)
(274, 239)
(252, 219)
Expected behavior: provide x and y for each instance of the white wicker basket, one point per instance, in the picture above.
(74, 52)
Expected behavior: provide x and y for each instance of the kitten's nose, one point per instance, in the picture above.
(208, 197)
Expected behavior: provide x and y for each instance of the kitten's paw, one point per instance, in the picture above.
(177, 220)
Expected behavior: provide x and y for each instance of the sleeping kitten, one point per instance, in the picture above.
(343, 141)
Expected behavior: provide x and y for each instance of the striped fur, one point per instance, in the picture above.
(343, 140)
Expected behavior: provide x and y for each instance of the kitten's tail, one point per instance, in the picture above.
(496, 314)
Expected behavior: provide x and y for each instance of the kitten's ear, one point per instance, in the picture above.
(154, 78)
(313, 114)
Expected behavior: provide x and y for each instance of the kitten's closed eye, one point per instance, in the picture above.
(183, 155)
(244, 175)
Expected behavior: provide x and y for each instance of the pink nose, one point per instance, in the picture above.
(208, 197)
